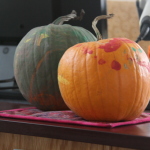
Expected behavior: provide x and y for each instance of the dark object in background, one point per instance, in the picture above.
(144, 19)
(19, 16)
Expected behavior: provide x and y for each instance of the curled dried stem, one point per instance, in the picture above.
(94, 23)
(72, 15)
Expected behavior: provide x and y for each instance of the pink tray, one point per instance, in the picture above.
(68, 117)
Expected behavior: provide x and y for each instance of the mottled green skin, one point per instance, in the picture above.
(35, 63)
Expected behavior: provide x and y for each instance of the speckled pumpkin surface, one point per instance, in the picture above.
(36, 62)
(106, 80)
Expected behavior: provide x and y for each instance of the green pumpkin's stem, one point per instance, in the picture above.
(73, 15)
(81, 15)
(94, 23)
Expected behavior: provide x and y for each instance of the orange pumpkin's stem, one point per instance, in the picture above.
(73, 15)
(94, 23)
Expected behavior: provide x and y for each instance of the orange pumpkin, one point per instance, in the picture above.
(148, 52)
(105, 80)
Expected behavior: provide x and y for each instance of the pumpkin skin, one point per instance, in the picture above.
(148, 52)
(106, 80)
(36, 62)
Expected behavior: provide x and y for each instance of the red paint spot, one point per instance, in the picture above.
(115, 65)
(111, 46)
(95, 56)
(129, 58)
(148, 67)
(85, 51)
(142, 63)
(90, 52)
(101, 61)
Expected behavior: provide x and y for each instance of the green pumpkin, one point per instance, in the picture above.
(37, 57)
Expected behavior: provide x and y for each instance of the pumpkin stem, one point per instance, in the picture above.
(81, 15)
(73, 15)
(94, 23)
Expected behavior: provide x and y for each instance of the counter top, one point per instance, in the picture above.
(130, 136)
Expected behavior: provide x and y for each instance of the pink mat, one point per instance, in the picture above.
(68, 117)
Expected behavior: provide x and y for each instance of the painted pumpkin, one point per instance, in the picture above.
(148, 52)
(36, 61)
(105, 80)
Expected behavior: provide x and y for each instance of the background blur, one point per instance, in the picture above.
(125, 23)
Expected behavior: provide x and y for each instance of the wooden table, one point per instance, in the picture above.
(36, 135)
